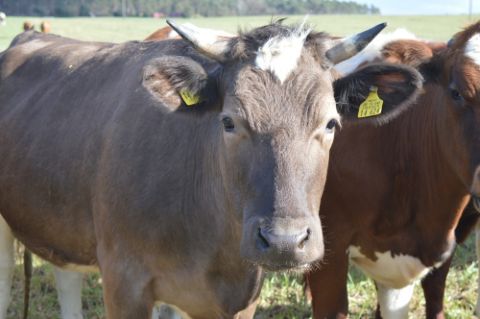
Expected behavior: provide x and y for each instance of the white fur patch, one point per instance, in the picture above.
(394, 302)
(372, 50)
(472, 48)
(395, 271)
(280, 55)
(69, 291)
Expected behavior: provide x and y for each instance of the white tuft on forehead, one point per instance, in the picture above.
(472, 48)
(373, 50)
(280, 54)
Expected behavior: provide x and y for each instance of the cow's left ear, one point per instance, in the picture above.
(179, 82)
(378, 91)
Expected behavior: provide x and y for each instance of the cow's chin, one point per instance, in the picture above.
(287, 268)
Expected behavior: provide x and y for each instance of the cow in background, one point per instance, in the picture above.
(45, 27)
(167, 32)
(403, 47)
(28, 26)
(399, 231)
(3, 18)
(163, 34)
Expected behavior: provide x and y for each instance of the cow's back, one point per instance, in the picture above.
(61, 102)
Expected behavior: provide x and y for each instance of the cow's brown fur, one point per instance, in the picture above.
(419, 169)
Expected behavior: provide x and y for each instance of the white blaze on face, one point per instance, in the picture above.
(472, 48)
(280, 55)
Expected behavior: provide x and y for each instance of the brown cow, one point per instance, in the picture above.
(45, 27)
(419, 169)
(105, 164)
(28, 25)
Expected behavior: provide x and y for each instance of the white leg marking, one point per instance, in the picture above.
(477, 246)
(69, 289)
(7, 265)
(394, 302)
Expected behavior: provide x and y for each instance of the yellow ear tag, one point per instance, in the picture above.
(372, 105)
(189, 98)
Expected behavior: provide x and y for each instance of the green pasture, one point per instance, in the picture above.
(124, 29)
(282, 296)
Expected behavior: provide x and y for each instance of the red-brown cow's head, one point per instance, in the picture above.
(458, 71)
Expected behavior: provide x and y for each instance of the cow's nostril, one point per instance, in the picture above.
(304, 238)
(264, 244)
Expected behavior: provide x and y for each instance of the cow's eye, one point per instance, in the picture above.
(456, 96)
(228, 124)
(332, 125)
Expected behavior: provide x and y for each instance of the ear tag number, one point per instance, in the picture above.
(189, 98)
(372, 105)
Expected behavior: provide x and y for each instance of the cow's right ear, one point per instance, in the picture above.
(179, 82)
(383, 87)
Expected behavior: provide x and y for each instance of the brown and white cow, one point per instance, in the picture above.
(394, 212)
(106, 166)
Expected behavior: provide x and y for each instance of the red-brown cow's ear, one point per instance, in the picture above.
(177, 82)
(378, 91)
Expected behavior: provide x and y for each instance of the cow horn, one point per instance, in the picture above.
(212, 43)
(348, 47)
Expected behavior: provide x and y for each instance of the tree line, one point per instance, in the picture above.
(185, 8)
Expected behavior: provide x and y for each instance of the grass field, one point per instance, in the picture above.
(282, 296)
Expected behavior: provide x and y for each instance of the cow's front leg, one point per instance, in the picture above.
(7, 264)
(393, 303)
(434, 289)
(126, 292)
(328, 286)
(69, 290)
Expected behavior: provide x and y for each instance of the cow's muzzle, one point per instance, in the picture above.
(283, 243)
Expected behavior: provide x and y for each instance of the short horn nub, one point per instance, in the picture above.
(212, 43)
(348, 47)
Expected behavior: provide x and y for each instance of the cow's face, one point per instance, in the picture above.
(460, 97)
(277, 130)
(279, 107)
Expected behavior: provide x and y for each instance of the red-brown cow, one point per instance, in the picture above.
(163, 34)
(419, 169)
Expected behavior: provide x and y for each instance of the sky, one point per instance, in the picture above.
(422, 7)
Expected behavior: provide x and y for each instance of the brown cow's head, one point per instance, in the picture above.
(277, 115)
(458, 71)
